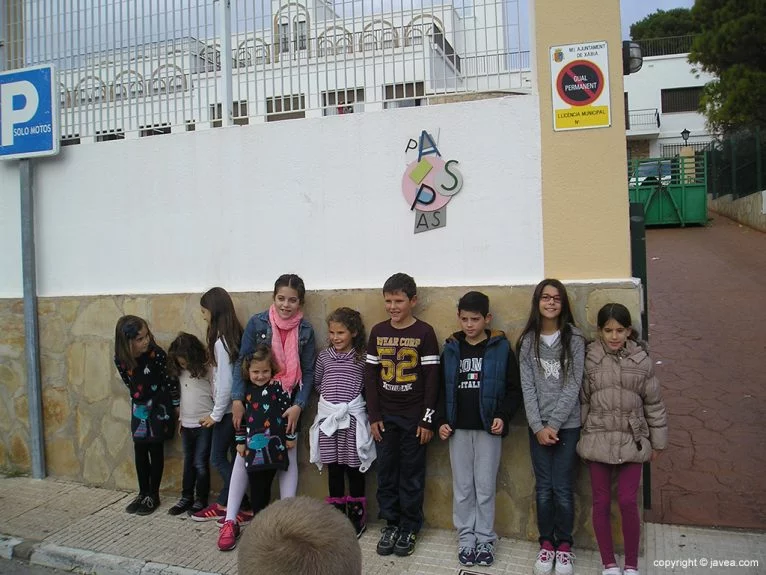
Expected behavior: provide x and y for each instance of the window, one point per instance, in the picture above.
(285, 108)
(300, 34)
(284, 37)
(154, 130)
(239, 112)
(109, 135)
(343, 102)
(70, 140)
(404, 95)
(681, 99)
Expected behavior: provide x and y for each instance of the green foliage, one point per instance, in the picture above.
(732, 46)
(664, 24)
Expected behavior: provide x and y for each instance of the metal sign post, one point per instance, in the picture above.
(29, 127)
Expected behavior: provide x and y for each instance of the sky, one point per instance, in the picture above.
(635, 10)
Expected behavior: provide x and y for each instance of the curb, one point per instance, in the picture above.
(84, 561)
(7, 545)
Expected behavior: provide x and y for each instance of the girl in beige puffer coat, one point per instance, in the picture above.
(624, 425)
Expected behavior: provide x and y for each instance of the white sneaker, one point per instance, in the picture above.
(564, 562)
(544, 563)
(612, 571)
(630, 572)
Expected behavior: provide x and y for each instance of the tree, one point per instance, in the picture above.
(731, 46)
(664, 24)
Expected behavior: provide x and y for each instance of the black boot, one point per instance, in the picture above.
(356, 509)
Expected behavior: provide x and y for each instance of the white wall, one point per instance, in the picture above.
(10, 231)
(663, 72)
(319, 197)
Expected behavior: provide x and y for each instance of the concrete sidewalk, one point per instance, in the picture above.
(85, 530)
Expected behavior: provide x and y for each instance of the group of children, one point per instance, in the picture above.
(383, 397)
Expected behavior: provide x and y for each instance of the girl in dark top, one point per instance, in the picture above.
(262, 440)
(154, 396)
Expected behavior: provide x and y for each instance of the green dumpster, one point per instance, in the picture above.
(673, 191)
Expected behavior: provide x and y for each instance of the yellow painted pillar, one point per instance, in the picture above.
(584, 182)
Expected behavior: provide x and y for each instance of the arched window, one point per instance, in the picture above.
(415, 36)
(168, 78)
(369, 42)
(343, 44)
(379, 34)
(301, 32)
(128, 84)
(284, 35)
(261, 54)
(90, 89)
(324, 47)
(388, 39)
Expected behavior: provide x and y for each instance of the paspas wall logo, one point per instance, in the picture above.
(429, 183)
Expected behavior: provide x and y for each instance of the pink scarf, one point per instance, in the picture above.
(286, 355)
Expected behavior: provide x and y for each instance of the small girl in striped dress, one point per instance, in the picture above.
(340, 436)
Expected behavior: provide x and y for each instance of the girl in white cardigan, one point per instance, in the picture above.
(340, 437)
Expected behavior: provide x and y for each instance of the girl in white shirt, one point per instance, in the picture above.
(224, 335)
(187, 360)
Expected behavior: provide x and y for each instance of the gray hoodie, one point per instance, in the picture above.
(548, 399)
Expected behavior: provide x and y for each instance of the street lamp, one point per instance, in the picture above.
(685, 135)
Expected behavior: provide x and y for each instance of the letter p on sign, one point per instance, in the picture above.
(10, 94)
(29, 115)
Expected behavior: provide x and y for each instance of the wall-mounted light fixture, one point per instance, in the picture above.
(685, 135)
(632, 58)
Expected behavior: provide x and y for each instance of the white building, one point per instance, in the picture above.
(303, 59)
(662, 99)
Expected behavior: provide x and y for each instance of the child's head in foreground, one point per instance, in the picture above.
(300, 536)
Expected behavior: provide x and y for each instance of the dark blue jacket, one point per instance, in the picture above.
(259, 331)
(500, 391)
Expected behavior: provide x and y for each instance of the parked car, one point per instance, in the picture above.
(651, 173)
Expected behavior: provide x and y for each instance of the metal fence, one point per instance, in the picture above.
(666, 46)
(643, 119)
(737, 165)
(149, 67)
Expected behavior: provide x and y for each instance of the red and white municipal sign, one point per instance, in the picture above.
(580, 86)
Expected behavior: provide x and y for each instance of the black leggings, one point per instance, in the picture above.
(336, 479)
(150, 462)
(260, 488)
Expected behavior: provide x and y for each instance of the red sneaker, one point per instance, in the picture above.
(227, 538)
(209, 513)
(243, 518)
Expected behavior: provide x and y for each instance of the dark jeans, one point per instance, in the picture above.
(260, 488)
(196, 444)
(554, 468)
(401, 474)
(222, 454)
(336, 473)
(150, 463)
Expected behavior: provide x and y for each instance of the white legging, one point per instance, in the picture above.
(288, 482)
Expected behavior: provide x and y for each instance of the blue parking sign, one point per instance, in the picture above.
(29, 113)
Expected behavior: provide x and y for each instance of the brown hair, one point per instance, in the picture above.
(126, 331)
(352, 319)
(300, 535)
(262, 353)
(223, 323)
(187, 347)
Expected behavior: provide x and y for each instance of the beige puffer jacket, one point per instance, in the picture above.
(623, 414)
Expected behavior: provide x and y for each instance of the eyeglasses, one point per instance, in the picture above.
(554, 298)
